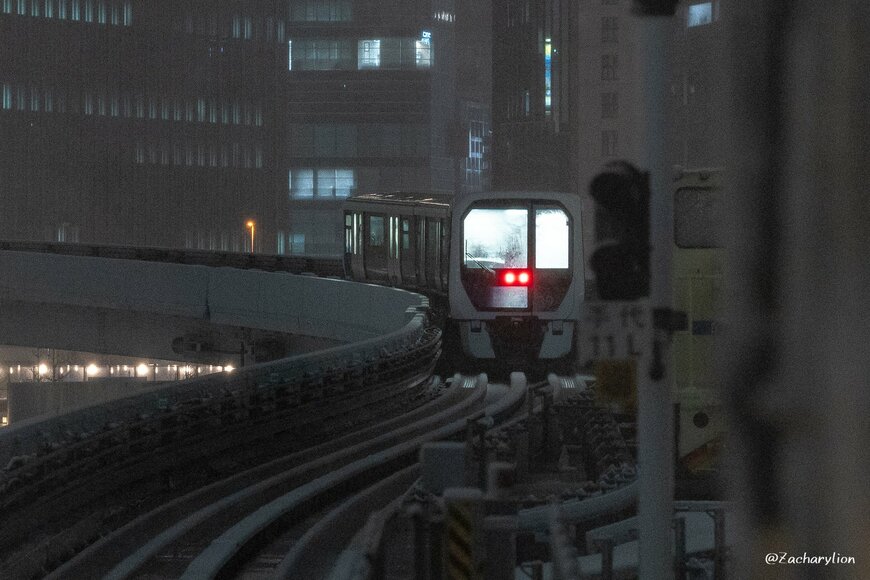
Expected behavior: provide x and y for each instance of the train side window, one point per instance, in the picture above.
(394, 237)
(376, 231)
(552, 238)
(348, 233)
(406, 234)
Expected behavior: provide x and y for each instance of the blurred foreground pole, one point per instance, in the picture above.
(796, 362)
(655, 407)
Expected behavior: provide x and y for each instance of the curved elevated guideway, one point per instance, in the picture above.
(53, 466)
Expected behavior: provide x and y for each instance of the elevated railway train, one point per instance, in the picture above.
(511, 264)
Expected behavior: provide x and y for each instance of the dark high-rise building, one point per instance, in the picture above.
(534, 94)
(176, 123)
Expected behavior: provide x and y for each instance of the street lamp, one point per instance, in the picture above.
(250, 224)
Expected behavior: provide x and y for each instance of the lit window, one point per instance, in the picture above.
(7, 6)
(48, 9)
(89, 11)
(700, 14)
(496, 238)
(322, 54)
(297, 244)
(423, 50)
(320, 10)
(369, 54)
(128, 13)
(76, 9)
(552, 238)
(7, 96)
(301, 183)
(548, 76)
(279, 246)
(22, 7)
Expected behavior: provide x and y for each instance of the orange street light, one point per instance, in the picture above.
(250, 224)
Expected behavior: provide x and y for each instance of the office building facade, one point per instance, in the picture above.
(177, 123)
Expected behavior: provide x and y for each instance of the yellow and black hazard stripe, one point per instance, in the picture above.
(460, 560)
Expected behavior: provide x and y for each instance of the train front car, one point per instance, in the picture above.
(516, 275)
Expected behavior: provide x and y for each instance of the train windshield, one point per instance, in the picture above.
(497, 238)
(552, 238)
(516, 257)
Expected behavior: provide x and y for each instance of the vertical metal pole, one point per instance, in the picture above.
(719, 543)
(655, 410)
(605, 547)
(680, 545)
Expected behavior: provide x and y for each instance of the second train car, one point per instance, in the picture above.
(510, 262)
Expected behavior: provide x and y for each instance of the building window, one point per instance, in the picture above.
(609, 67)
(325, 183)
(369, 54)
(280, 240)
(423, 51)
(700, 14)
(297, 244)
(609, 29)
(301, 183)
(609, 105)
(128, 13)
(7, 6)
(548, 76)
(609, 143)
(322, 55)
(320, 10)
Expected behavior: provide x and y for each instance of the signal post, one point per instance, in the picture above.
(627, 332)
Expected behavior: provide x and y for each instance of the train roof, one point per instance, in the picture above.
(404, 198)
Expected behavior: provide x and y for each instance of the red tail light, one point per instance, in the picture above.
(514, 278)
